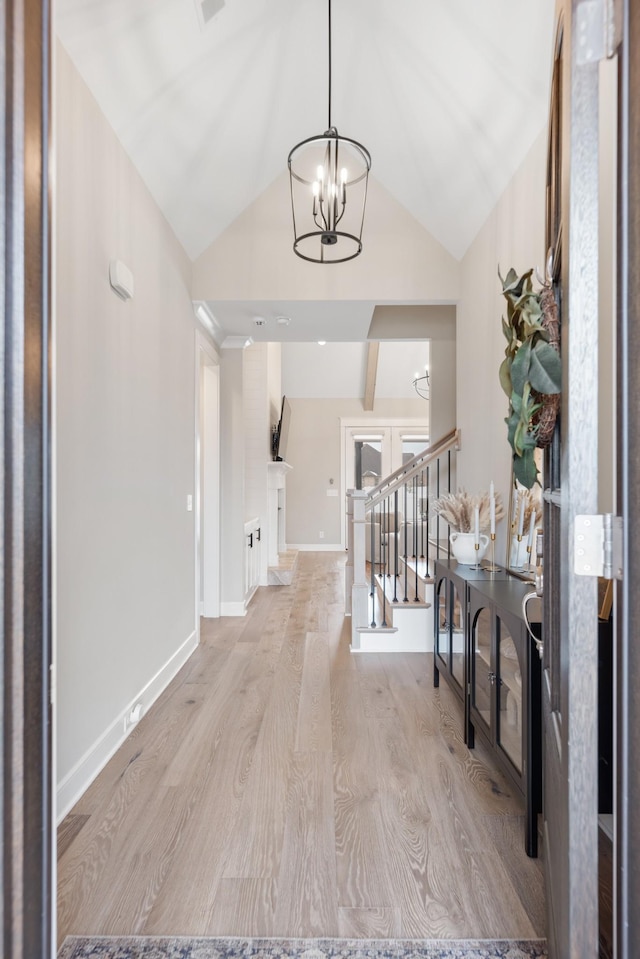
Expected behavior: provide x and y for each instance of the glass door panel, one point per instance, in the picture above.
(368, 463)
(510, 701)
(483, 676)
(457, 636)
(442, 635)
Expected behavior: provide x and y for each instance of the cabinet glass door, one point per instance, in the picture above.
(457, 635)
(483, 675)
(510, 696)
(442, 631)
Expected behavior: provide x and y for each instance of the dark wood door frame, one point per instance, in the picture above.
(627, 854)
(26, 862)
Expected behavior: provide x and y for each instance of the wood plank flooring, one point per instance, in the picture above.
(282, 786)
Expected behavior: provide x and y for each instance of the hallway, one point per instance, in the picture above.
(284, 787)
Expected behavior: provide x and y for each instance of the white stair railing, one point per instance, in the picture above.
(393, 536)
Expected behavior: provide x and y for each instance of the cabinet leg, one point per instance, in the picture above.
(470, 737)
(436, 676)
(531, 829)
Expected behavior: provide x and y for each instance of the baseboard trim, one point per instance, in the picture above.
(317, 547)
(233, 609)
(249, 597)
(78, 780)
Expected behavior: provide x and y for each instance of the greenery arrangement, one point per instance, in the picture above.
(531, 372)
(457, 509)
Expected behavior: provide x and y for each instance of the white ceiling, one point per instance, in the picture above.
(338, 370)
(448, 96)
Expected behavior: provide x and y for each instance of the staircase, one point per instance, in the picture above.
(393, 540)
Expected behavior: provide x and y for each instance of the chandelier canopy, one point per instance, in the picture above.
(328, 177)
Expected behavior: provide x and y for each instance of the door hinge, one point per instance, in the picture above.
(598, 546)
(598, 29)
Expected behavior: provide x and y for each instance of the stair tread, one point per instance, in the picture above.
(282, 573)
(387, 591)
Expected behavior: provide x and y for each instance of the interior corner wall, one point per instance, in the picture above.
(274, 381)
(125, 442)
(232, 475)
(257, 442)
(442, 388)
(512, 236)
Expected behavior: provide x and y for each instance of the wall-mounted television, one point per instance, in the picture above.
(281, 432)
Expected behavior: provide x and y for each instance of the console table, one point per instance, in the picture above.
(484, 652)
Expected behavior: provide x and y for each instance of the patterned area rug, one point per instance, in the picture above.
(150, 947)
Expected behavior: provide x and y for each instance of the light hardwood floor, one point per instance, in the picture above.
(282, 786)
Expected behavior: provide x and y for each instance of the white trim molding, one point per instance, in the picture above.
(78, 780)
(233, 609)
(317, 547)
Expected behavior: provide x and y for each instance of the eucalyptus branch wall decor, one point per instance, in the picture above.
(531, 372)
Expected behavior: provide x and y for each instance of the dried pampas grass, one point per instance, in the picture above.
(457, 509)
(531, 500)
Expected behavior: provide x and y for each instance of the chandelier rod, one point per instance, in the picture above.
(329, 127)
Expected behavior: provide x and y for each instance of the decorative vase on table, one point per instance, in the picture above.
(464, 549)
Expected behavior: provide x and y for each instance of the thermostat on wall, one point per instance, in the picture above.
(121, 279)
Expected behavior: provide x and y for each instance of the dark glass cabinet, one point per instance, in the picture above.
(483, 650)
(449, 644)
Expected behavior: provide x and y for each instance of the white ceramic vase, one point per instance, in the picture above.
(464, 549)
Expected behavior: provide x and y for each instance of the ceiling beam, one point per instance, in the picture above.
(372, 372)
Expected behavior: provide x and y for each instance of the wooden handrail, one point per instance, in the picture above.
(388, 558)
(408, 470)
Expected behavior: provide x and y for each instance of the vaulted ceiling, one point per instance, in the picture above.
(209, 96)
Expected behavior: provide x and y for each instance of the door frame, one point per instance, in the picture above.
(390, 429)
(28, 861)
(627, 607)
(570, 677)
(207, 480)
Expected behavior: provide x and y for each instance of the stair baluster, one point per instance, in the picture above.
(387, 554)
(395, 546)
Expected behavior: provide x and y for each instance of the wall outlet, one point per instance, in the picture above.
(189, 503)
(321, 534)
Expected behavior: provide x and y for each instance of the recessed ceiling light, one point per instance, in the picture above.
(322, 342)
(259, 321)
(283, 320)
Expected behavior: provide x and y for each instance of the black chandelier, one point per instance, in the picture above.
(325, 172)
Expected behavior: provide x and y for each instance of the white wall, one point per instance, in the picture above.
(232, 482)
(253, 259)
(442, 388)
(274, 381)
(257, 365)
(513, 236)
(125, 430)
(315, 455)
